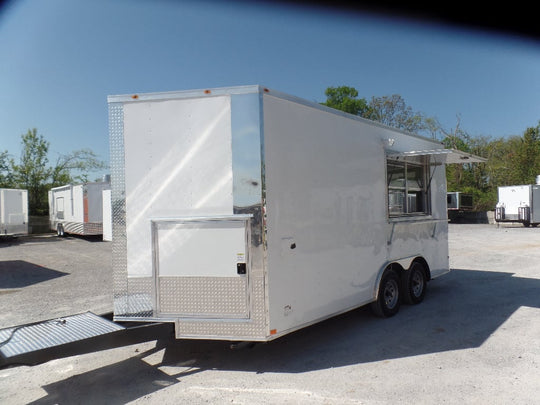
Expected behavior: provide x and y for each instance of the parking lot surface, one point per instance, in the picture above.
(475, 339)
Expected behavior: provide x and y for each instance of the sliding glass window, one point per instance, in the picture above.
(407, 188)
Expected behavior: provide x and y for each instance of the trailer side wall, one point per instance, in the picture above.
(325, 205)
(329, 234)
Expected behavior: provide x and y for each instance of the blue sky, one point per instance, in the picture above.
(60, 59)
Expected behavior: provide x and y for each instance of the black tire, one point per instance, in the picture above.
(60, 231)
(414, 284)
(389, 296)
(526, 224)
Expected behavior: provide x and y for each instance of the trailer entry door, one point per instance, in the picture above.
(201, 267)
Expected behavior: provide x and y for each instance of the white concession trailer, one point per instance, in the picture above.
(519, 204)
(13, 212)
(77, 209)
(244, 213)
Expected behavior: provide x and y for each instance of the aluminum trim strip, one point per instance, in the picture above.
(449, 156)
(210, 92)
(234, 217)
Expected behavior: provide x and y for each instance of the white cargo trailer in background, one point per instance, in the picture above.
(244, 213)
(13, 212)
(519, 204)
(77, 209)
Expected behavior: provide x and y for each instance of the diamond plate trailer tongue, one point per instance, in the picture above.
(40, 342)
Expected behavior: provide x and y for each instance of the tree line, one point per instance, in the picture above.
(512, 160)
(33, 172)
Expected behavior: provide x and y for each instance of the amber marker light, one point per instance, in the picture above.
(273, 331)
(207, 92)
(135, 96)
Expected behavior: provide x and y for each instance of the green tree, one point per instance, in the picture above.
(5, 172)
(346, 99)
(515, 160)
(32, 172)
(469, 178)
(526, 162)
(455, 138)
(80, 161)
(510, 161)
(389, 110)
(394, 112)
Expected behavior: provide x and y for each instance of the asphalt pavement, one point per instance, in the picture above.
(475, 339)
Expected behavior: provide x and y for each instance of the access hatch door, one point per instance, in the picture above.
(201, 267)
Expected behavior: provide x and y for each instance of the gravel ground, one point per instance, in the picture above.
(474, 340)
(44, 277)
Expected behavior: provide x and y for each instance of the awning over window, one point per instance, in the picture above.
(446, 156)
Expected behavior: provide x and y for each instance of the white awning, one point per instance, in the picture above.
(447, 156)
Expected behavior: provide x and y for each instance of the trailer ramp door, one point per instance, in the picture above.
(39, 342)
(201, 267)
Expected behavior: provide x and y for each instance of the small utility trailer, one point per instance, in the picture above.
(458, 201)
(244, 214)
(77, 209)
(519, 204)
(13, 212)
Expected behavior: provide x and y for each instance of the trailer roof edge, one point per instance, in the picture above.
(247, 89)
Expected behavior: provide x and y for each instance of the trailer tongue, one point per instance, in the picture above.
(40, 342)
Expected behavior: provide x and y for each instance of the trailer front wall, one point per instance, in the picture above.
(513, 197)
(13, 211)
(67, 204)
(187, 171)
(166, 175)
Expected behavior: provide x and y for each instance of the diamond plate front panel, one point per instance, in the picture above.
(140, 302)
(118, 202)
(254, 329)
(223, 297)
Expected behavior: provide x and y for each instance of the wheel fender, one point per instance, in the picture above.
(403, 263)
